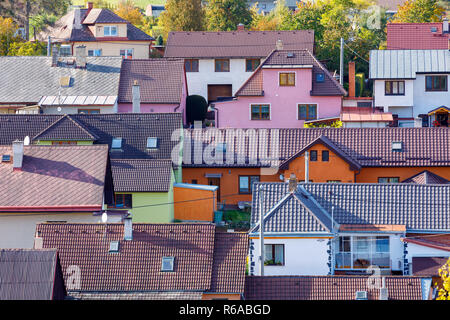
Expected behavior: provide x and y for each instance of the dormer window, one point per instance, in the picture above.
(167, 264)
(114, 246)
(116, 143)
(6, 158)
(152, 143)
(397, 146)
(110, 31)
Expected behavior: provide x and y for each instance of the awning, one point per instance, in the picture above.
(439, 110)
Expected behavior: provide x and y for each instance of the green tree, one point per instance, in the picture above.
(225, 15)
(182, 15)
(419, 11)
(444, 273)
(27, 48)
(7, 35)
(280, 18)
(39, 22)
(127, 10)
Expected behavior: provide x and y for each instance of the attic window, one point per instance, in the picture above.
(152, 143)
(320, 77)
(434, 29)
(116, 143)
(397, 146)
(114, 246)
(167, 264)
(65, 50)
(361, 295)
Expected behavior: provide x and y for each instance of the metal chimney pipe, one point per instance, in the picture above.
(128, 229)
(306, 166)
(136, 93)
(261, 232)
(17, 147)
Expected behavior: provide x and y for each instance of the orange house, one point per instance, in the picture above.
(347, 155)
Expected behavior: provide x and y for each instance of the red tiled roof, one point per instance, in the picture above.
(54, 178)
(416, 36)
(203, 259)
(328, 288)
(359, 114)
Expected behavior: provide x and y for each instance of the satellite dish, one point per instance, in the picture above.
(104, 217)
(59, 109)
(26, 141)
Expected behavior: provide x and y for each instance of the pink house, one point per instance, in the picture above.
(152, 85)
(287, 89)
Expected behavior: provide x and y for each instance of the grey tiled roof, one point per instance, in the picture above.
(26, 79)
(65, 127)
(418, 207)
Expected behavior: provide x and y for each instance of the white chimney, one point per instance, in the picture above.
(279, 44)
(445, 28)
(80, 56)
(128, 229)
(17, 155)
(136, 92)
(383, 291)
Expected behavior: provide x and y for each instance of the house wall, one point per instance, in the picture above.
(283, 103)
(197, 82)
(203, 210)
(17, 230)
(415, 250)
(229, 181)
(297, 255)
(222, 296)
(382, 100)
(371, 175)
(425, 101)
(141, 49)
(97, 30)
(321, 171)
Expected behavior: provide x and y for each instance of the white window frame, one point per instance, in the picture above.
(127, 51)
(110, 28)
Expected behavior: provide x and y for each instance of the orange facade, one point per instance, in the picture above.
(186, 209)
(336, 169)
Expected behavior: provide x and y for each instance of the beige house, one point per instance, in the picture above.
(102, 32)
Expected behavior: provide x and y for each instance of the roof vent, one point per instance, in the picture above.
(64, 81)
(167, 264)
(114, 246)
(434, 29)
(361, 295)
(397, 146)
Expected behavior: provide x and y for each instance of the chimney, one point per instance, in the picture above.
(90, 5)
(17, 155)
(80, 56)
(445, 28)
(279, 45)
(292, 183)
(307, 167)
(136, 92)
(351, 79)
(54, 56)
(240, 27)
(383, 291)
(128, 229)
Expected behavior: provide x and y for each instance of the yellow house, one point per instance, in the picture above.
(102, 32)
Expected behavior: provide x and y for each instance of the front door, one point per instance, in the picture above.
(442, 118)
(215, 182)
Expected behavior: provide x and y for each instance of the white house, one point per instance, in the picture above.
(412, 85)
(218, 63)
(336, 228)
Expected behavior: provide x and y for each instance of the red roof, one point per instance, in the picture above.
(416, 36)
(359, 114)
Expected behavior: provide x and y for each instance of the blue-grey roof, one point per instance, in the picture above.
(404, 64)
(418, 207)
(27, 79)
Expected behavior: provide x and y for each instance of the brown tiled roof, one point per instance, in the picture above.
(204, 261)
(370, 147)
(54, 177)
(230, 253)
(137, 296)
(416, 36)
(426, 177)
(146, 175)
(234, 44)
(328, 288)
(65, 127)
(427, 266)
(97, 15)
(436, 241)
(293, 59)
(160, 80)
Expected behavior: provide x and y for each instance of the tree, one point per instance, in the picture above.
(196, 108)
(128, 11)
(27, 48)
(419, 11)
(444, 273)
(12, 44)
(225, 15)
(182, 15)
(280, 18)
(7, 35)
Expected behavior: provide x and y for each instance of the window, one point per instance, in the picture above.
(167, 264)
(424, 118)
(436, 83)
(110, 31)
(194, 181)
(313, 155)
(364, 104)
(152, 143)
(251, 65)
(123, 201)
(88, 111)
(260, 111)
(394, 88)
(65, 50)
(191, 65)
(116, 143)
(320, 77)
(388, 180)
(307, 111)
(95, 53)
(325, 155)
(126, 53)
(287, 79)
(114, 246)
(6, 158)
(246, 183)
(274, 254)
(222, 65)
(397, 146)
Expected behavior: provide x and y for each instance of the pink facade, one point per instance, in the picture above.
(283, 102)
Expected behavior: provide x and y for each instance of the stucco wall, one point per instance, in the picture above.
(371, 175)
(415, 250)
(141, 49)
(186, 209)
(425, 101)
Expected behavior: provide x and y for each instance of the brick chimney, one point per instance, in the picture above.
(54, 56)
(240, 27)
(17, 147)
(351, 79)
(90, 5)
(136, 94)
(80, 56)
